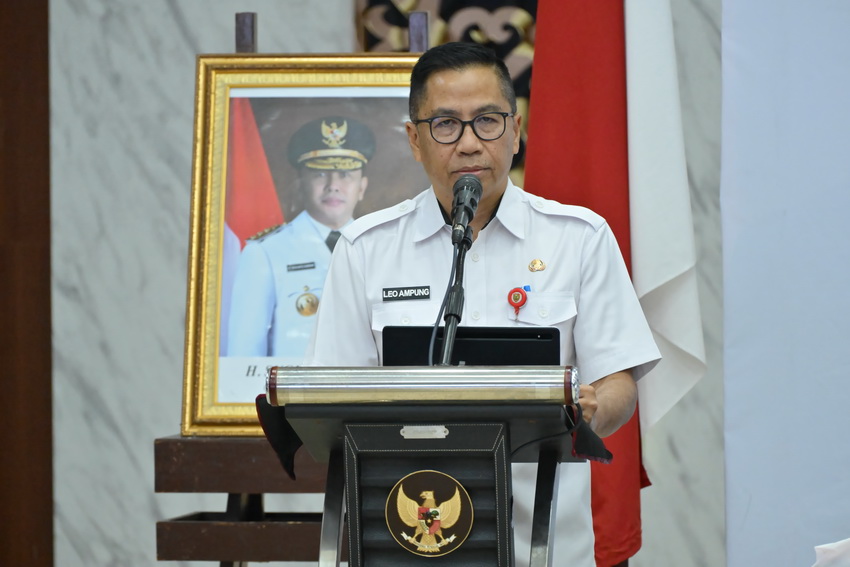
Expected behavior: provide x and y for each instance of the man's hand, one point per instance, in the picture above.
(609, 402)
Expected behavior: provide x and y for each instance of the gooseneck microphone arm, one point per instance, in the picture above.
(454, 299)
(467, 192)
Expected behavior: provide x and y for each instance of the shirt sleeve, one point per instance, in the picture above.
(611, 333)
(343, 334)
(252, 304)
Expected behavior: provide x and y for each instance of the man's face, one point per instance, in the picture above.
(465, 94)
(332, 194)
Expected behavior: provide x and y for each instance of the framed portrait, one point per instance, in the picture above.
(287, 150)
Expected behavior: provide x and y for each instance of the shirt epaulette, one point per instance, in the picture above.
(265, 232)
(370, 221)
(554, 208)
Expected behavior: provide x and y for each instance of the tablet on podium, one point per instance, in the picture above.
(407, 345)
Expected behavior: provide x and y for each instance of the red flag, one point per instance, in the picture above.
(252, 202)
(578, 153)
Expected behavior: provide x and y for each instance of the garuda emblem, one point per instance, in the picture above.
(334, 134)
(429, 519)
(437, 527)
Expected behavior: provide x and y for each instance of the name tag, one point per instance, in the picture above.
(402, 293)
(298, 267)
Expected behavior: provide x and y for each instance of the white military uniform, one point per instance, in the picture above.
(579, 283)
(278, 284)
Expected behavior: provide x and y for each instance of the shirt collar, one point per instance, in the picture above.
(430, 220)
(509, 213)
(322, 230)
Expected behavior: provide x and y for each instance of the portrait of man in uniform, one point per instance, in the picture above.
(280, 272)
(318, 157)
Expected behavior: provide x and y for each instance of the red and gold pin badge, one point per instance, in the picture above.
(518, 296)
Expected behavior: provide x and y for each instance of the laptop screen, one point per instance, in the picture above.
(474, 346)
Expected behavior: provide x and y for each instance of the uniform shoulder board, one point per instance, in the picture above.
(554, 208)
(370, 221)
(266, 231)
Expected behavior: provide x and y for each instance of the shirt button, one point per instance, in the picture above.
(476, 315)
(543, 313)
(402, 207)
(405, 320)
(475, 257)
(539, 204)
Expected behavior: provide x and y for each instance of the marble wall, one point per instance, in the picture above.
(122, 104)
(684, 511)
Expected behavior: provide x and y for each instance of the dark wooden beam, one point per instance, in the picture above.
(26, 473)
(246, 32)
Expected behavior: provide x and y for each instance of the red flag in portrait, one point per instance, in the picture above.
(252, 202)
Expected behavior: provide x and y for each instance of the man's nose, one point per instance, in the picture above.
(332, 182)
(468, 142)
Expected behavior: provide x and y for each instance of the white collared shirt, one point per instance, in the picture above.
(583, 289)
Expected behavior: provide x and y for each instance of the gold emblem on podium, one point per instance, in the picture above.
(307, 303)
(437, 522)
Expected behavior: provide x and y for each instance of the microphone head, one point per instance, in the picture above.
(467, 191)
(468, 182)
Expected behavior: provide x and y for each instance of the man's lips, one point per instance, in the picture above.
(333, 202)
(475, 170)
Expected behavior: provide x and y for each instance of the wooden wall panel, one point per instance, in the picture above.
(26, 475)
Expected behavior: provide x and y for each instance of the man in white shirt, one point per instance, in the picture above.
(464, 121)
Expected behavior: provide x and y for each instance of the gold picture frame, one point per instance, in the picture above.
(283, 92)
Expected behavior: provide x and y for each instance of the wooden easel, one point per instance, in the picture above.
(244, 468)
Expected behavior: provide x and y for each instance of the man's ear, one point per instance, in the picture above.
(413, 140)
(364, 183)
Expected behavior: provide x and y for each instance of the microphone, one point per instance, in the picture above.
(467, 191)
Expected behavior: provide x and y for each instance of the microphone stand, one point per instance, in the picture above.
(454, 301)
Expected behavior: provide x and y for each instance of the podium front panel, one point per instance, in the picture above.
(378, 459)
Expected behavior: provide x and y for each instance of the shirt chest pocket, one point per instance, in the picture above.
(403, 313)
(546, 309)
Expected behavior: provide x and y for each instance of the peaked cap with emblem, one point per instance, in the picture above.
(332, 142)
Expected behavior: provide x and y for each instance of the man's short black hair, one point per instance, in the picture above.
(456, 57)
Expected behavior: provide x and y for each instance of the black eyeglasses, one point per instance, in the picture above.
(488, 126)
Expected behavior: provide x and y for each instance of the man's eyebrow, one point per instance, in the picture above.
(492, 107)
